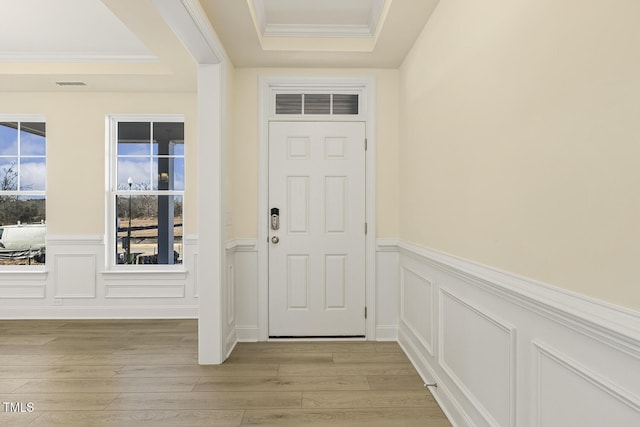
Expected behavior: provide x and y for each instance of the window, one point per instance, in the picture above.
(147, 190)
(23, 168)
(317, 103)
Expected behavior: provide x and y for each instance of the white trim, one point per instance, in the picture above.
(387, 333)
(376, 16)
(319, 30)
(74, 240)
(23, 272)
(155, 274)
(242, 245)
(111, 185)
(247, 333)
(447, 402)
(190, 23)
(596, 341)
(24, 288)
(266, 87)
(501, 325)
(111, 312)
(428, 345)
(58, 283)
(259, 15)
(139, 289)
(601, 383)
(387, 245)
(211, 244)
(611, 324)
(266, 29)
(73, 57)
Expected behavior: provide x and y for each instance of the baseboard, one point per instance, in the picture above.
(387, 333)
(455, 414)
(129, 312)
(247, 333)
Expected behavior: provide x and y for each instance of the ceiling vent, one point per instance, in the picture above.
(71, 83)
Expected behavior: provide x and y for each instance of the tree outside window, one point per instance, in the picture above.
(22, 192)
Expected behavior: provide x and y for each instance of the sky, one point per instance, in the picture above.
(25, 153)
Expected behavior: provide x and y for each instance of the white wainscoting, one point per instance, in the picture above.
(508, 351)
(387, 294)
(76, 284)
(243, 254)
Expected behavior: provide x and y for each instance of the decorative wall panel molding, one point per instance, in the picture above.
(138, 289)
(75, 276)
(76, 283)
(416, 306)
(510, 351)
(21, 289)
(477, 351)
(600, 402)
(231, 295)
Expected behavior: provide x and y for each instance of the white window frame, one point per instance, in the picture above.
(111, 192)
(27, 118)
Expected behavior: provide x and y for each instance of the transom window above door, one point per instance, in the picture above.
(317, 104)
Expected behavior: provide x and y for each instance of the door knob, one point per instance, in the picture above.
(275, 239)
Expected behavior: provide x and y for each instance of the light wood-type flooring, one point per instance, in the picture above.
(146, 373)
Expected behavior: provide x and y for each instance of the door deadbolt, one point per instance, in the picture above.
(275, 219)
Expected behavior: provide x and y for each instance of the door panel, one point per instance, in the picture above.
(317, 266)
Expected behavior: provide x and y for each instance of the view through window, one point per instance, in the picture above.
(149, 192)
(22, 192)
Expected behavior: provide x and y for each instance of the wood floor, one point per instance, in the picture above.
(145, 373)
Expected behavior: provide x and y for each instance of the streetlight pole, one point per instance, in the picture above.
(128, 253)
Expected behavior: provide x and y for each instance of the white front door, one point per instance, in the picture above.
(317, 256)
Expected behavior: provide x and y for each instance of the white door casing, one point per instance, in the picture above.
(269, 86)
(317, 280)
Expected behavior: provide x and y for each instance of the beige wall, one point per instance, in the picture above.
(520, 141)
(76, 150)
(244, 146)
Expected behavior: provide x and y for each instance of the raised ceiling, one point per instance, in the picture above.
(329, 18)
(111, 45)
(66, 31)
(313, 33)
(125, 45)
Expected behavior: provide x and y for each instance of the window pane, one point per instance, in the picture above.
(33, 173)
(8, 139)
(155, 229)
(8, 173)
(317, 104)
(22, 230)
(289, 103)
(166, 135)
(345, 104)
(168, 173)
(134, 138)
(178, 148)
(32, 139)
(138, 169)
